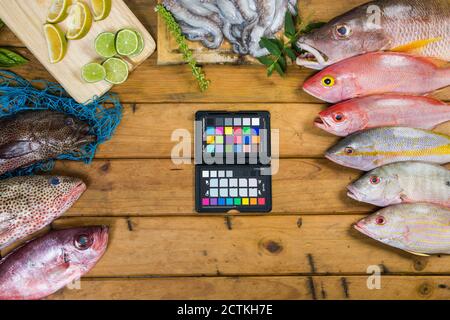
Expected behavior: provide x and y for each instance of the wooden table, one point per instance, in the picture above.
(161, 249)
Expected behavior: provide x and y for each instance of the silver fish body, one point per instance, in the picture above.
(421, 229)
(403, 182)
(373, 148)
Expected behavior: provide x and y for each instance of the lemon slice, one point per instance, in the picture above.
(56, 42)
(101, 9)
(58, 10)
(79, 21)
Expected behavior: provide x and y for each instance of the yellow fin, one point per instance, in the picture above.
(418, 254)
(415, 45)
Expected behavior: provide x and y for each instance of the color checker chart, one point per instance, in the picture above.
(243, 184)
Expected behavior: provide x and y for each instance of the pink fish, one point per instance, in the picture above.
(378, 72)
(47, 264)
(389, 110)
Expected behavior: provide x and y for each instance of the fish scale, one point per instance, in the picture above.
(421, 229)
(28, 204)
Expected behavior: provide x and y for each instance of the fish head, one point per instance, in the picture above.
(357, 32)
(355, 151)
(385, 226)
(55, 194)
(377, 187)
(84, 246)
(334, 84)
(64, 133)
(342, 119)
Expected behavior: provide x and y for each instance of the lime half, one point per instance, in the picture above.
(140, 44)
(93, 72)
(127, 42)
(105, 44)
(58, 10)
(116, 70)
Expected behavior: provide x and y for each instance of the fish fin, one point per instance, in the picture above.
(414, 45)
(418, 254)
(16, 149)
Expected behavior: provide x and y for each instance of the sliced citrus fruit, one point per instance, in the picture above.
(56, 42)
(127, 42)
(80, 21)
(93, 72)
(140, 44)
(58, 10)
(105, 44)
(101, 9)
(116, 70)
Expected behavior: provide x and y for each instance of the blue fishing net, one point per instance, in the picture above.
(103, 114)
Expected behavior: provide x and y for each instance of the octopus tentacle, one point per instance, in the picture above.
(184, 15)
(248, 9)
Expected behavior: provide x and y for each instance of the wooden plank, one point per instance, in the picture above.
(261, 288)
(146, 130)
(230, 84)
(159, 187)
(80, 52)
(272, 245)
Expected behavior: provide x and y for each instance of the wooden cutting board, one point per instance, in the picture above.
(26, 19)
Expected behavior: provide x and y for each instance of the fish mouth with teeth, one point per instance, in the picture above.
(321, 123)
(312, 57)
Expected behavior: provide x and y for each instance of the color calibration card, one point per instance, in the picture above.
(233, 138)
(233, 162)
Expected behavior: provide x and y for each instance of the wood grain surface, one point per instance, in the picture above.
(161, 249)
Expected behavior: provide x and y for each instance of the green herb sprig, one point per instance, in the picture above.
(283, 48)
(9, 59)
(175, 30)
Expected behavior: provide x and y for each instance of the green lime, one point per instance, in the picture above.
(93, 72)
(105, 44)
(140, 45)
(116, 70)
(127, 42)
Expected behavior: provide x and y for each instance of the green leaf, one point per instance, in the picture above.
(271, 45)
(313, 25)
(10, 59)
(282, 62)
(2, 24)
(289, 26)
(270, 70)
(266, 60)
(279, 69)
(291, 54)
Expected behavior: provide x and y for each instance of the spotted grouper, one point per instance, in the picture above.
(47, 264)
(28, 204)
(33, 136)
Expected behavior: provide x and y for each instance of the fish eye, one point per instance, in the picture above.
(69, 122)
(349, 150)
(54, 181)
(338, 117)
(374, 180)
(82, 242)
(328, 81)
(343, 31)
(380, 220)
